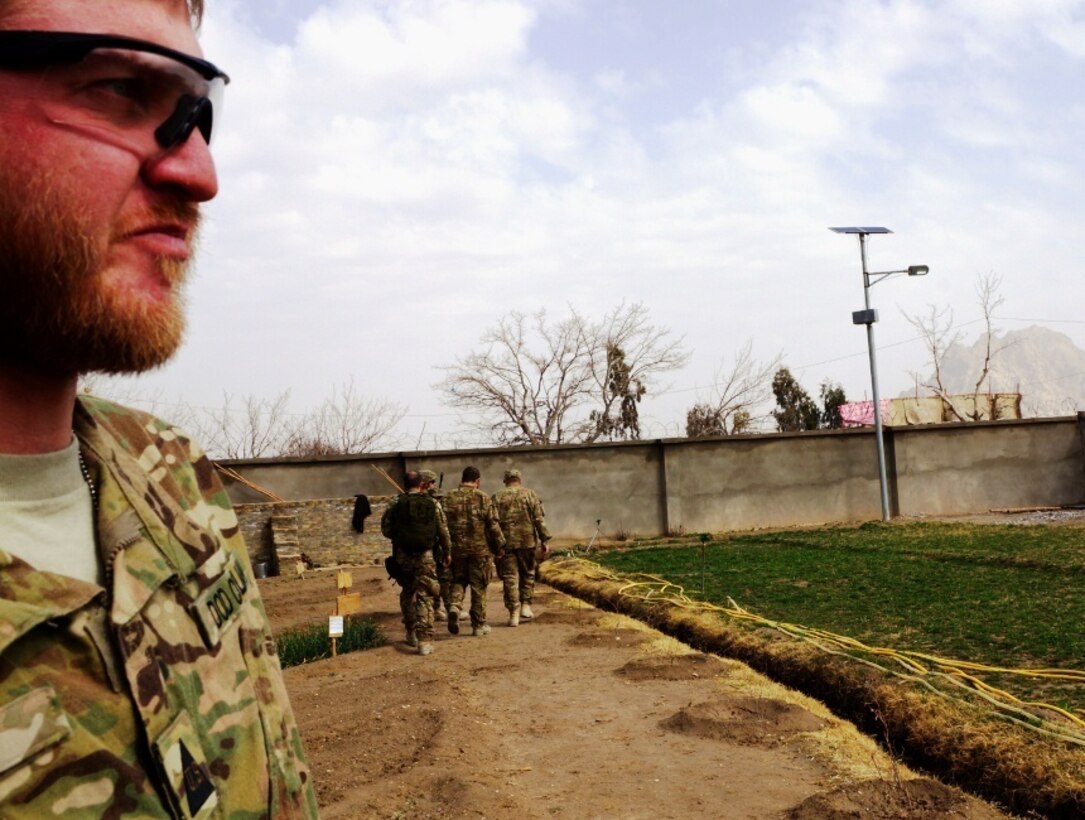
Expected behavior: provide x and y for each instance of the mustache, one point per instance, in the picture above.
(174, 212)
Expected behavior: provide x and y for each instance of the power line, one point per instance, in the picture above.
(1040, 321)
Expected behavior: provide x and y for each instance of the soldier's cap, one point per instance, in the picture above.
(428, 476)
(512, 475)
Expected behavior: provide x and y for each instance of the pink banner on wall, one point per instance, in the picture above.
(861, 413)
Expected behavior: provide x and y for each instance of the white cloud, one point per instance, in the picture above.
(438, 43)
(422, 164)
(794, 111)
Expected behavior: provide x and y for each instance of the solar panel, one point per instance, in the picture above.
(860, 230)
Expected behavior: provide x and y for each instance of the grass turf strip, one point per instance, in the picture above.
(310, 643)
(1002, 596)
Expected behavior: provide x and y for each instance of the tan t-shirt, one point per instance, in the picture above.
(46, 515)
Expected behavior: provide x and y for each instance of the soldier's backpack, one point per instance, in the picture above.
(414, 523)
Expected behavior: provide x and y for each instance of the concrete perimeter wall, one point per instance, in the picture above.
(663, 486)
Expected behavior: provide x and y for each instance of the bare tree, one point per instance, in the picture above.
(346, 422)
(538, 382)
(737, 393)
(251, 428)
(939, 335)
(628, 351)
(254, 427)
(128, 391)
(987, 291)
(522, 395)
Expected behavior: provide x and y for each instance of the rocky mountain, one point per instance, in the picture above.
(1044, 365)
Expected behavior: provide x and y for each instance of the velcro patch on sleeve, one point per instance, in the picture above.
(183, 762)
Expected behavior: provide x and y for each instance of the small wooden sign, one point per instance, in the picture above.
(335, 626)
(335, 631)
(348, 604)
(344, 580)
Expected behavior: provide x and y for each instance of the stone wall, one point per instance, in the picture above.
(320, 528)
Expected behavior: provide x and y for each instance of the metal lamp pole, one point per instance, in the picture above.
(868, 316)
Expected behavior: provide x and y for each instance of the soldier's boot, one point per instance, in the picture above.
(479, 631)
(525, 612)
(465, 615)
(411, 639)
(439, 611)
(453, 621)
(514, 617)
(425, 648)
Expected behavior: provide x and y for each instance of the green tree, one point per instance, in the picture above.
(832, 396)
(795, 410)
(703, 421)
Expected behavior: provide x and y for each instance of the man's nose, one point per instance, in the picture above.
(187, 167)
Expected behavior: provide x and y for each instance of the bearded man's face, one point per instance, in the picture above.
(65, 308)
(97, 219)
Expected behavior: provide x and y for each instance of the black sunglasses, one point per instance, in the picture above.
(30, 50)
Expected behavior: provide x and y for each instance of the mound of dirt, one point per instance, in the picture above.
(669, 667)
(573, 617)
(920, 799)
(746, 720)
(608, 637)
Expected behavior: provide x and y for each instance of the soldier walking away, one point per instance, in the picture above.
(476, 542)
(416, 525)
(138, 675)
(444, 572)
(522, 519)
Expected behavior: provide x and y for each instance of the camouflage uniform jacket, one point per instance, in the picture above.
(522, 517)
(160, 695)
(443, 538)
(472, 522)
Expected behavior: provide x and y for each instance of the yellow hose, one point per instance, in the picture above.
(920, 667)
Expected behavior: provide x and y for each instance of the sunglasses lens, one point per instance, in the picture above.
(190, 113)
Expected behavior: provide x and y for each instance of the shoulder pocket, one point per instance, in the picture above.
(29, 725)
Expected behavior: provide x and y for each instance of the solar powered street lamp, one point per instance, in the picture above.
(868, 316)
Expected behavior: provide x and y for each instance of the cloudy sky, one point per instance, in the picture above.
(397, 175)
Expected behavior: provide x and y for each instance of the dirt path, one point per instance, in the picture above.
(577, 715)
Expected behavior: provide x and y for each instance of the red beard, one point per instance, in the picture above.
(57, 311)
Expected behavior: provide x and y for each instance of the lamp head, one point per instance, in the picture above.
(918, 270)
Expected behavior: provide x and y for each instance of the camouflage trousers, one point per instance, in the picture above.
(416, 597)
(444, 579)
(472, 572)
(517, 570)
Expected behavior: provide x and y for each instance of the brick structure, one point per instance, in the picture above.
(320, 528)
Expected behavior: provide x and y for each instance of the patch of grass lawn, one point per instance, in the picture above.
(312, 643)
(1001, 596)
